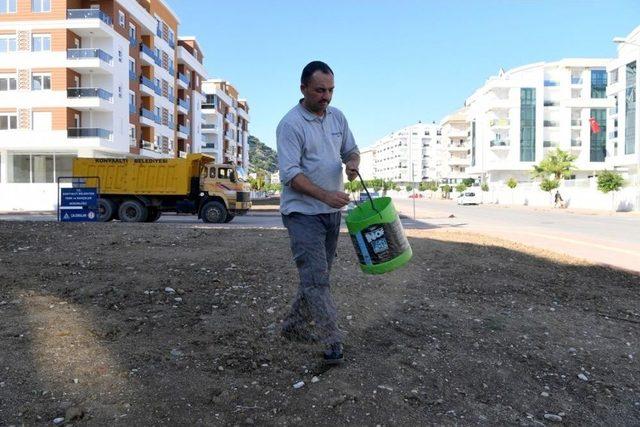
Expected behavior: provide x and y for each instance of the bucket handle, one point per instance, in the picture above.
(368, 194)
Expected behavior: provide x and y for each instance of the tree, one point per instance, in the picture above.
(386, 186)
(446, 190)
(468, 182)
(610, 182)
(484, 187)
(409, 188)
(461, 187)
(353, 186)
(555, 167)
(512, 183)
(432, 186)
(549, 184)
(377, 184)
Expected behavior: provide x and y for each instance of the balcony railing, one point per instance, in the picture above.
(209, 145)
(550, 144)
(159, 31)
(89, 14)
(89, 92)
(549, 83)
(183, 129)
(185, 79)
(499, 122)
(208, 106)
(147, 114)
(88, 54)
(576, 143)
(550, 104)
(148, 145)
(576, 122)
(147, 82)
(576, 80)
(147, 50)
(551, 124)
(208, 126)
(88, 133)
(158, 60)
(499, 143)
(184, 104)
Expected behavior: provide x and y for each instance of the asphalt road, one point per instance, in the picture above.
(610, 239)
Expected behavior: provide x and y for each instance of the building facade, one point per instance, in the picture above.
(623, 121)
(99, 78)
(455, 159)
(518, 116)
(225, 124)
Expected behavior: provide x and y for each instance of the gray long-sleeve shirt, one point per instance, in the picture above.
(316, 147)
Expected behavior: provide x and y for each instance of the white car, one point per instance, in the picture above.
(469, 198)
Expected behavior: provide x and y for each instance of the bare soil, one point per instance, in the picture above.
(472, 331)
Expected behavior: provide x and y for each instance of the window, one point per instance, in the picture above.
(630, 109)
(119, 55)
(7, 43)
(527, 124)
(8, 121)
(613, 76)
(132, 66)
(171, 37)
(41, 82)
(598, 83)
(598, 140)
(8, 6)
(41, 42)
(121, 18)
(132, 32)
(39, 168)
(119, 91)
(7, 83)
(38, 6)
(132, 98)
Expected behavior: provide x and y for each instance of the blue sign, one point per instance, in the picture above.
(78, 204)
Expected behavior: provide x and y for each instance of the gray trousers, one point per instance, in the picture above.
(314, 239)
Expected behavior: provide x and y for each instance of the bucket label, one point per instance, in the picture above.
(380, 243)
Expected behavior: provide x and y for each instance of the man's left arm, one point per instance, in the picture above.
(349, 152)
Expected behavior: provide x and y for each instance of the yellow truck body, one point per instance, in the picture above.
(143, 176)
(140, 189)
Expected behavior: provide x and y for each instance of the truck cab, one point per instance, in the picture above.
(224, 184)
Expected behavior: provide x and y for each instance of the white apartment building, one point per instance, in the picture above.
(519, 115)
(408, 155)
(623, 121)
(225, 125)
(456, 150)
(84, 78)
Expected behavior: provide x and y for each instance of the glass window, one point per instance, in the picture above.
(41, 43)
(630, 109)
(598, 139)
(223, 173)
(527, 124)
(121, 18)
(7, 83)
(40, 6)
(132, 65)
(132, 32)
(21, 169)
(41, 82)
(64, 165)
(8, 6)
(8, 121)
(42, 168)
(598, 83)
(7, 44)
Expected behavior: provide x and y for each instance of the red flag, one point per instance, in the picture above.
(595, 126)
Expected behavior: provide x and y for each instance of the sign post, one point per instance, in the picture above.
(78, 203)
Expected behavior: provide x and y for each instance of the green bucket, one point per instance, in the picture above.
(378, 236)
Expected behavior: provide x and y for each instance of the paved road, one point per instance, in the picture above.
(612, 239)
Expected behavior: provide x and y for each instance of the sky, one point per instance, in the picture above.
(395, 61)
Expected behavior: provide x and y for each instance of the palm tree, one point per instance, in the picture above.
(556, 166)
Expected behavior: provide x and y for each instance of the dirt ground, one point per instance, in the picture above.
(472, 331)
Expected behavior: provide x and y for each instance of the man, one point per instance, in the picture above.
(313, 141)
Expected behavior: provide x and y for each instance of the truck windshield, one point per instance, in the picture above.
(241, 174)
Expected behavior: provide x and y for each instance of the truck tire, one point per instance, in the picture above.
(214, 212)
(229, 217)
(106, 209)
(153, 215)
(132, 211)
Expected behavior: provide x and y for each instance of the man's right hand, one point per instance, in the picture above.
(336, 199)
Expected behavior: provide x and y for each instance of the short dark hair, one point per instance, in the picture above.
(311, 68)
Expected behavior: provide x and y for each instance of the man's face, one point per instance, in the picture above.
(318, 92)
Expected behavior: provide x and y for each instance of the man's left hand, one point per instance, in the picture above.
(352, 169)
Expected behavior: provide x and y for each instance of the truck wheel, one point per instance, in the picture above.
(106, 209)
(229, 217)
(132, 211)
(153, 215)
(214, 212)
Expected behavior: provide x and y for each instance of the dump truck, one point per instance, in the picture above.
(140, 189)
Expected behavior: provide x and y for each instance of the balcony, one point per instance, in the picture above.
(158, 59)
(159, 31)
(147, 55)
(147, 86)
(551, 103)
(182, 129)
(89, 133)
(551, 124)
(576, 122)
(183, 106)
(89, 99)
(95, 60)
(576, 143)
(89, 22)
(576, 80)
(183, 80)
(89, 14)
(209, 146)
(499, 123)
(147, 118)
(230, 118)
(550, 83)
(209, 128)
(458, 147)
(147, 145)
(550, 144)
(499, 144)
(89, 93)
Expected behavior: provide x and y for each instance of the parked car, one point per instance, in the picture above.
(469, 198)
(415, 196)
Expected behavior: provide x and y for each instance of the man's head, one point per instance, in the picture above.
(316, 85)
